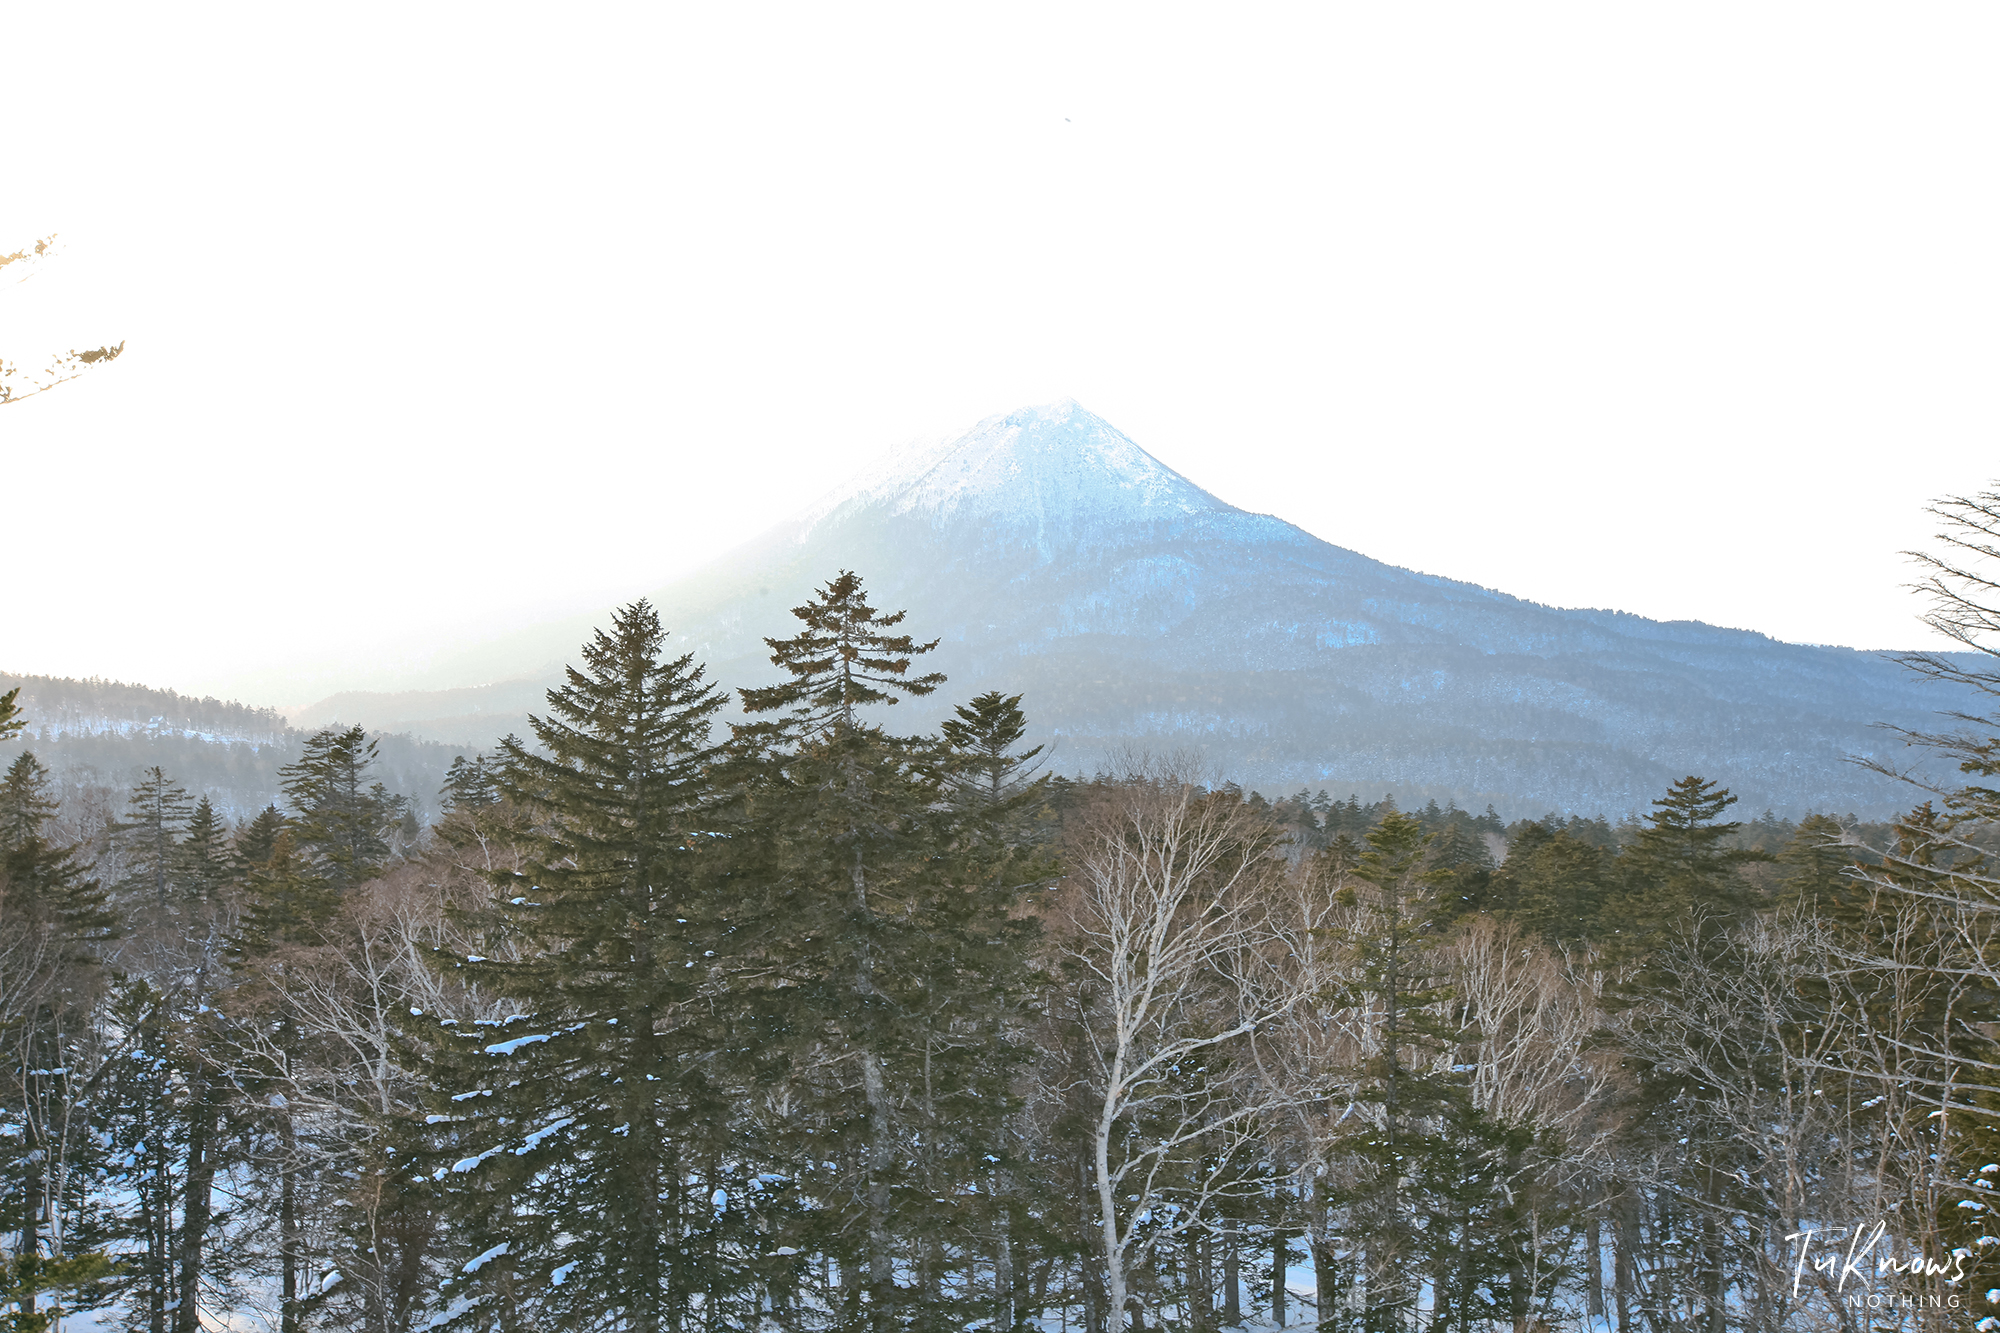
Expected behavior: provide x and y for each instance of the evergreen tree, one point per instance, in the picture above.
(204, 867)
(1681, 872)
(471, 783)
(156, 812)
(1395, 983)
(595, 1174)
(886, 925)
(1554, 883)
(286, 903)
(340, 821)
(257, 841)
(288, 906)
(25, 801)
(206, 877)
(147, 1149)
(48, 886)
(983, 735)
(1815, 866)
(54, 924)
(12, 723)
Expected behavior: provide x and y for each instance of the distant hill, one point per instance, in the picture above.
(101, 734)
(1056, 558)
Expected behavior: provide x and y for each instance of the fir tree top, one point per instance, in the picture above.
(11, 721)
(983, 735)
(342, 822)
(25, 803)
(841, 661)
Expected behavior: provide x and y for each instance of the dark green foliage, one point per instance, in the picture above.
(203, 863)
(1394, 977)
(982, 736)
(148, 1143)
(26, 1277)
(1554, 883)
(888, 871)
(590, 1134)
(156, 812)
(25, 801)
(1494, 1236)
(257, 841)
(1682, 871)
(342, 824)
(841, 661)
(47, 887)
(54, 922)
(286, 903)
(11, 720)
(472, 783)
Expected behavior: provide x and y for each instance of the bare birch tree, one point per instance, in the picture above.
(1164, 941)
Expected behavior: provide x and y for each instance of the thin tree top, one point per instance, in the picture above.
(841, 661)
(11, 721)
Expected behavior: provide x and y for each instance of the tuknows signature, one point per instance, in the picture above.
(1859, 1260)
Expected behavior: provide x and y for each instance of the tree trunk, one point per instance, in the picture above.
(1281, 1256)
(1714, 1278)
(159, 1226)
(1107, 1222)
(1096, 1317)
(289, 1255)
(1004, 1304)
(1593, 1289)
(1621, 1261)
(1201, 1283)
(34, 1161)
(648, 1166)
(1232, 1300)
(881, 1147)
(197, 1205)
(881, 1156)
(1326, 1282)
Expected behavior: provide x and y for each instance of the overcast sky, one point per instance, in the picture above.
(441, 320)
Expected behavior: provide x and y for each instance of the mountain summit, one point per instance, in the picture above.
(1057, 559)
(1058, 469)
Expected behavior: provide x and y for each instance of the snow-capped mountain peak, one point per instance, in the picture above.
(1052, 466)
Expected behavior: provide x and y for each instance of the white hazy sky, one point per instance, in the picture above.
(443, 318)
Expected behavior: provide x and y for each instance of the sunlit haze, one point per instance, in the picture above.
(443, 320)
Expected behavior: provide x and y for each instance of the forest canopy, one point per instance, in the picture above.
(805, 1022)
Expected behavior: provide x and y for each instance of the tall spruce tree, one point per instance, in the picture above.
(156, 812)
(203, 866)
(1396, 984)
(205, 879)
(588, 1153)
(887, 932)
(1683, 892)
(1680, 873)
(341, 822)
(255, 841)
(982, 736)
(55, 923)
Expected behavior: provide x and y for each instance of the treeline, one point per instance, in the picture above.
(97, 738)
(817, 1025)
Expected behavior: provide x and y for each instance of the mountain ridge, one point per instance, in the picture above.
(1051, 555)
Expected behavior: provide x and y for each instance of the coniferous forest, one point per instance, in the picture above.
(804, 1022)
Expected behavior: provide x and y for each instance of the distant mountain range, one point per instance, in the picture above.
(1056, 558)
(98, 736)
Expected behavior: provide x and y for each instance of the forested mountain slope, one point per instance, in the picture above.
(1057, 558)
(100, 735)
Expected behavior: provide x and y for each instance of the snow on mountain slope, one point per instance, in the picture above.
(1053, 556)
(1056, 469)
